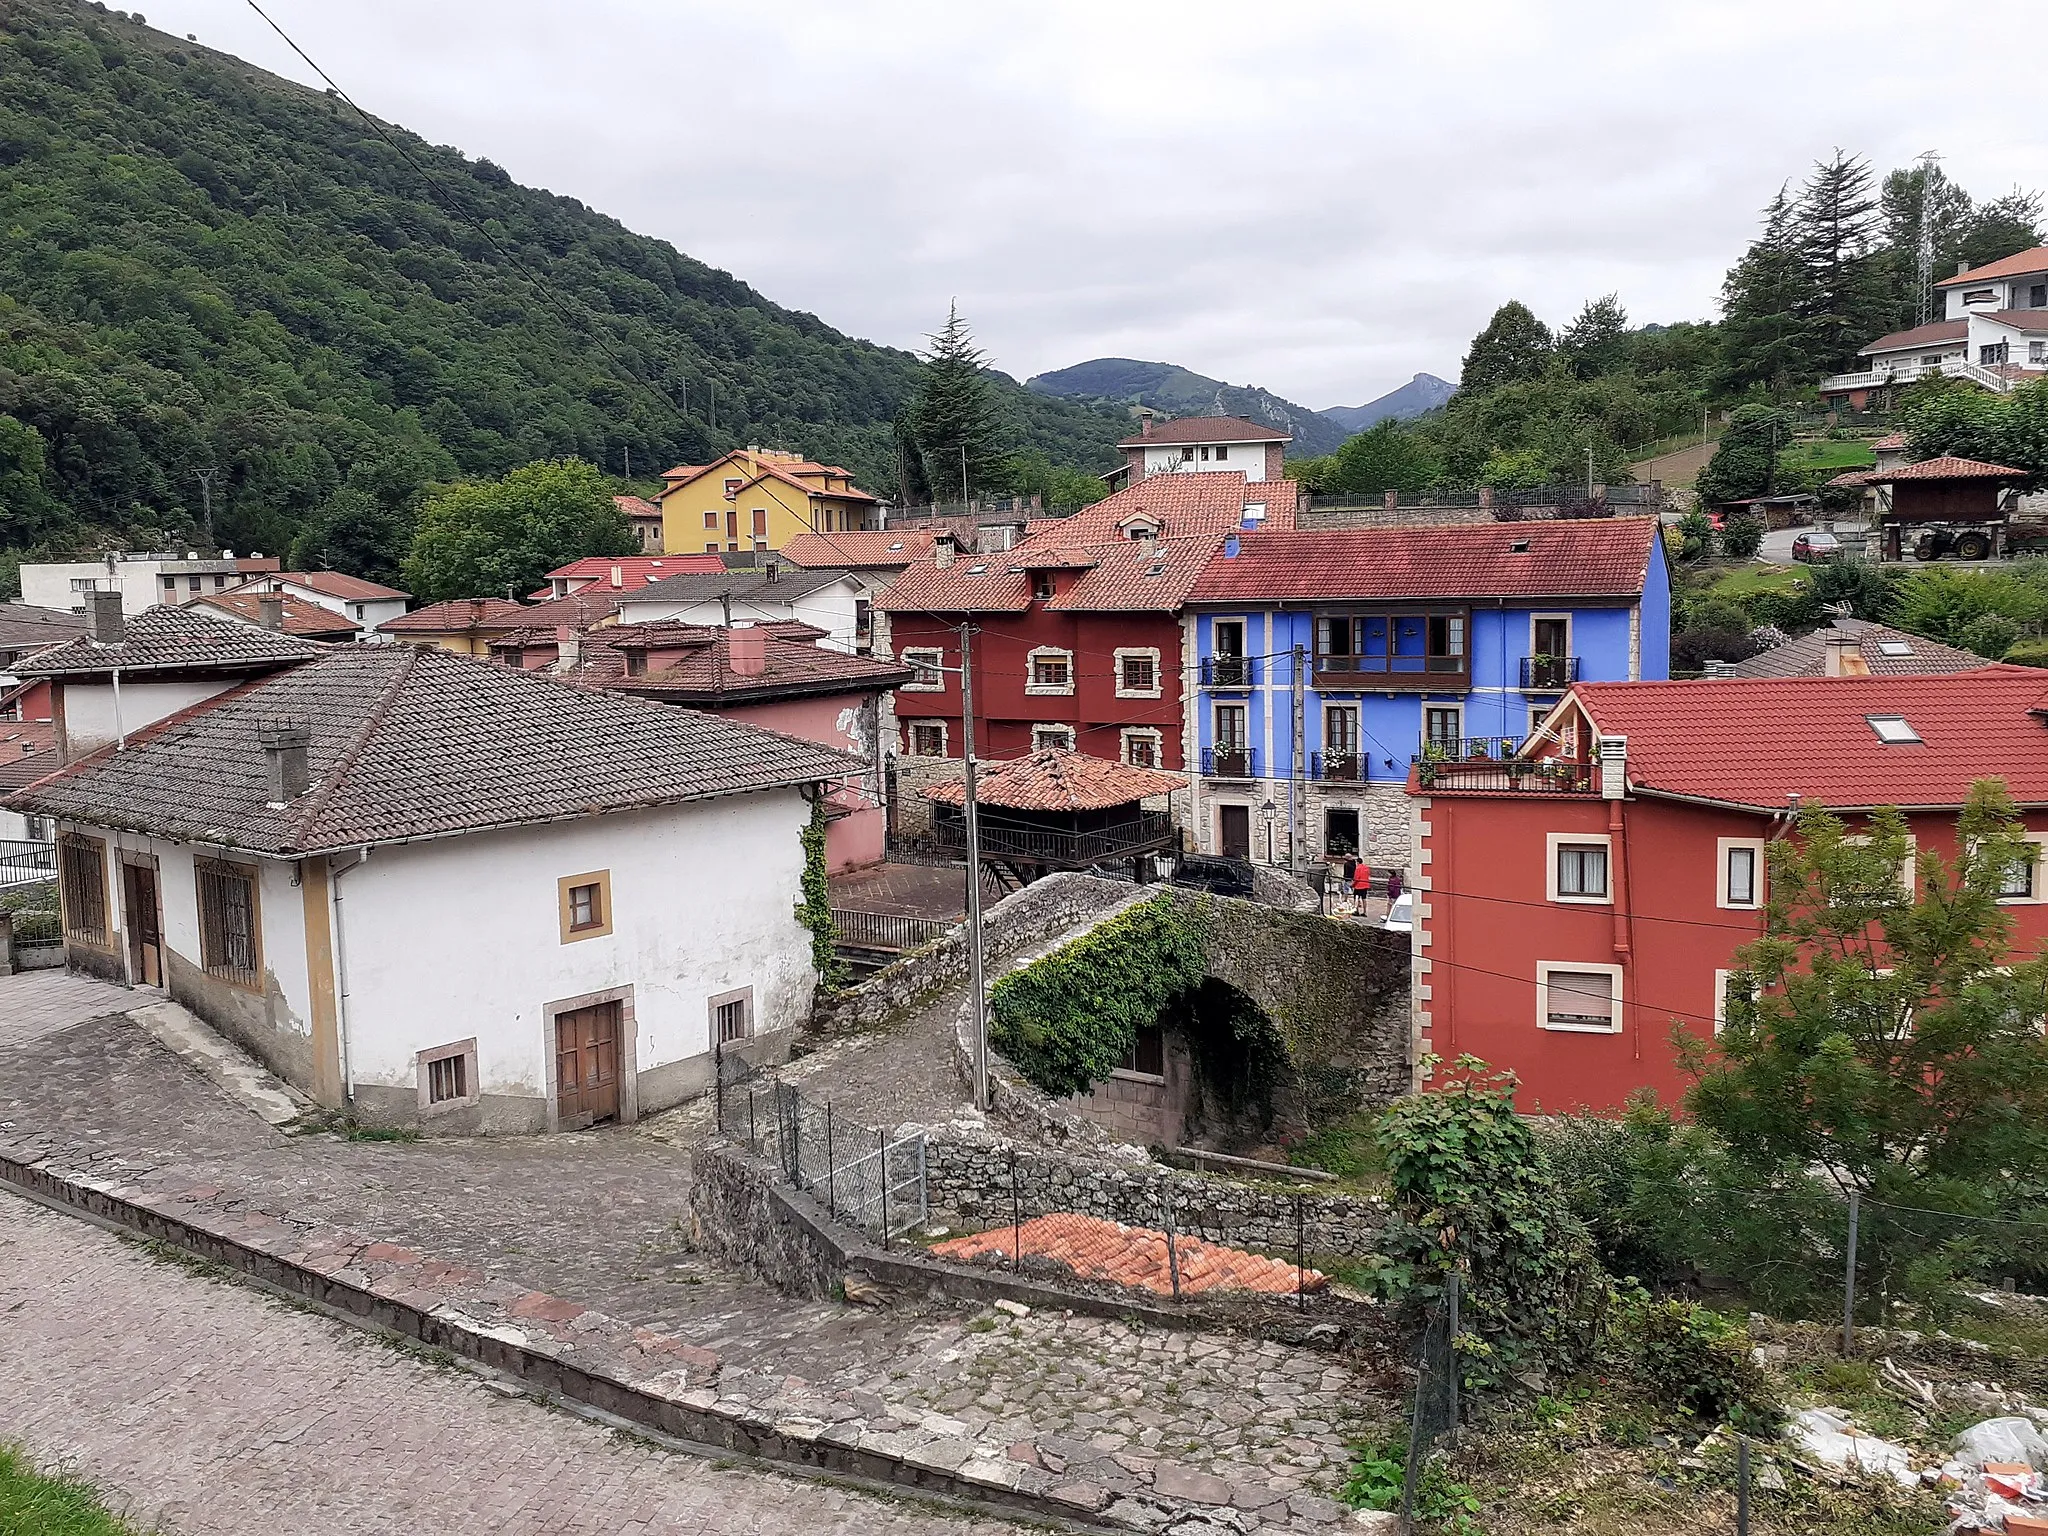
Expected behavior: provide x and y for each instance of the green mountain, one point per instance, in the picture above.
(1181, 392)
(206, 268)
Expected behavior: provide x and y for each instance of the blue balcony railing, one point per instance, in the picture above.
(1549, 674)
(1230, 762)
(1338, 767)
(1230, 672)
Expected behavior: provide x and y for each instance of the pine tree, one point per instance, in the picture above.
(1596, 342)
(1514, 346)
(1845, 304)
(954, 419)
(1762, 334)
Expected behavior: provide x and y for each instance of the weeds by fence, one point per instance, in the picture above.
(1436, 1394)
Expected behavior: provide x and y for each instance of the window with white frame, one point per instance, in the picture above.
(1578, 867)
(2020, 881)
(1443, 727)
(927, 738)
(1909, 862)
(1143, 748)
(1578, 997)
(1740, 879)
(1049, 737)
(1049, 670)
(1730, 986)
(924, 662)
(1137, 673)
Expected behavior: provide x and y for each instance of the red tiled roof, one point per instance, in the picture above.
(891, 549)
(1753, 741)
(28, 750)
(302, 616)
(634, 570)
(1606, 557)
(636, 506)
(1891, 442)
(1054, 779)
(1208, 429)
(788, 474)
(1095, 1249)
(2019, 264)
(685, 669)
(1920, 336)
(458, 615)
(1947, 467)
(351, 589)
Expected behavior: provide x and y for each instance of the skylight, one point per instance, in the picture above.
(1894, 648)
(1893, 729)
(977, 570)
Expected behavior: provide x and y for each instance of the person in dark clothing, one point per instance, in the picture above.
(1393, 887)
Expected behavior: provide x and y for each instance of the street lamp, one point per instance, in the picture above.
(1266, 811)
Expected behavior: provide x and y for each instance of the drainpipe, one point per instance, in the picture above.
(120, 730)
(1614, 789)
(348, 1078)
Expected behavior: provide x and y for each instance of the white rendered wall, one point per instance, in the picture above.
(1248, 459)
(830, 609)
(89, 714)
(462, 936)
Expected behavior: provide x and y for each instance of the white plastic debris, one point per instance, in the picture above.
(2007, 1439)
(1834, 1439)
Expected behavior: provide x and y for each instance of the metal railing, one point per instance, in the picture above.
(1488, 772)
(1230, 672)
(1549, 672)
(1503, 496)
(1149, 829)
(1452, 671)
(1230, 762)
(888, 930)
(25, 862)
(1339, 767)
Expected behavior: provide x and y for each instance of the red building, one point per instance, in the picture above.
(1569, 912)
(1078, 639)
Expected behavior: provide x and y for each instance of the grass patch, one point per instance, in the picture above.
(50, 1506)
(1821, 453)
(1349, 1148)
(1737, 582)
(380, 1133)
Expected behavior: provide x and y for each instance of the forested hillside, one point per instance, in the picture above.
(1179, 391)
(205, 268)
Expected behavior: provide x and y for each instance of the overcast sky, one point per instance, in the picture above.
(1319, 198)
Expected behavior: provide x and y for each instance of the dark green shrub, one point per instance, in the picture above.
(38, 928)
(1691, 1359)
(1742, 537)
(2028, 653)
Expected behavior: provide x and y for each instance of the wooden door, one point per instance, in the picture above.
(143, 918)
(587, 1066)
(1234, 830)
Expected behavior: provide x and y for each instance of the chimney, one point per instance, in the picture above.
(1145, 425)
(1834, 651)
(771, 568)
(284, 755)
(747, 649)
(270, 611)
(1613, 767)
(943, 550)
(568, 646)
(1393, 500)
(1962, 267)
(109, 624)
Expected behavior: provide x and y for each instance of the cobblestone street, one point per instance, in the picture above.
(211, 1408)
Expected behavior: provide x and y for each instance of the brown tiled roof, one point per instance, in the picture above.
(700, 671)
(1137, 1257)
(458, 615)
(788, 477)
(1947, 467)
(1054, 779)
(172, 639)
(2032, 321)
(28, 750)
(636, 506)
(1807, 656)
(1208, 429)
(2019, 264)
(412, 742)
(789, 583)
(889, 550)
(1920, 336)
(351, 589)
(23, 625)
(1891, 442)
(302, 616)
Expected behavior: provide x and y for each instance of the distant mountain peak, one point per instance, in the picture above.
(1175, 391)
(1418, 397)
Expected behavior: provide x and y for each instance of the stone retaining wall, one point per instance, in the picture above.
(972, 1178)
(1042, 910)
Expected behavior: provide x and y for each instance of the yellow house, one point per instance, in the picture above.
(758, 498)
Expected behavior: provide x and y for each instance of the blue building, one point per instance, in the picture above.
(1327, 661)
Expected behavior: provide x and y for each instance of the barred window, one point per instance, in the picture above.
(732, 1016)
(82, 869)
(447, 1079)
(228, 941)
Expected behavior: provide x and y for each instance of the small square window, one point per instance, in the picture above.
(1051, 672)
(1893, 730)
(1142, 748)
(1187, 455)
(1222, 454)
(586, 907)
(1894, 648)
(732, 1016)
(447, 1076)
(1046, 738)
(1582, 869)
(924, 663)
(1140, 673)
(1041, 585)
(927, 738)
(447, 1079)
(1579, 998)
(710, 519)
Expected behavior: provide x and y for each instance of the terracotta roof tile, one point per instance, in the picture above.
(1946, 467)
(2019, 264)
(165, 639)
(698, 668)
(886, 550)
(458, 615)
(1054, 779)
(410, 742)
(28, 750)
(339, 584)
(1886, 652)
(1208, 429)
(636, 506)
(1751, 741)
(1605, 557)
(634, 571)
(2031, 322)
(1134, 1257)
(302, 616)
(1891, 442)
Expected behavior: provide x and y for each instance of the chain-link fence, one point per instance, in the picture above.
(865, 1177)
(1436, 1394)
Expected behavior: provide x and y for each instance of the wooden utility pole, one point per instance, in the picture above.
(974, 955)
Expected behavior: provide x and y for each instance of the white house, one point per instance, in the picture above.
(364, 603)
(1993, 332)
(830, 600)
(1202, 444)
(142, 580)
(430, 890)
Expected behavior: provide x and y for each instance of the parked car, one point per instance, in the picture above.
(1215, 873)
(1816, 548)
(1400, 916)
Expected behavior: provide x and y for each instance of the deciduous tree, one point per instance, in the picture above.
(492, 538)
(1514, 346)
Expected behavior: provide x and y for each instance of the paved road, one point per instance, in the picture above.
(211, 1408)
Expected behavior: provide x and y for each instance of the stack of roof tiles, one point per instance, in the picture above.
(1133, 1257)
(408, 742)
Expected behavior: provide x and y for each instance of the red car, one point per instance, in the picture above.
(1816, 548)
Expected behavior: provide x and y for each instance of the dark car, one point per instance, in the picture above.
(1213, 873)
(1816, 548)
